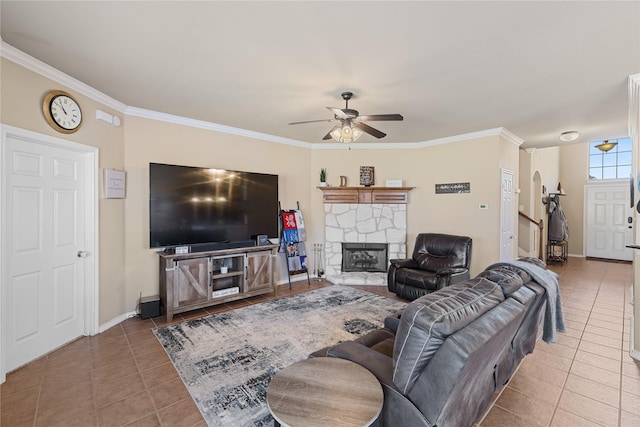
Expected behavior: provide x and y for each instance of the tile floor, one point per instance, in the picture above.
(123, 376)
(587, 378)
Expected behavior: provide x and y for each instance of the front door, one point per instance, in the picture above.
(45, 248)
(608, 226)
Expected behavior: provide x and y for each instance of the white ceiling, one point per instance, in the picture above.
(450, 68)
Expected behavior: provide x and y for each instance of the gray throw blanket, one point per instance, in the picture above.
(553, 316)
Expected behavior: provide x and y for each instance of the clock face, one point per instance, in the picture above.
(62, 111)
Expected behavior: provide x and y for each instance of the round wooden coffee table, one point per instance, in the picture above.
(324, 391)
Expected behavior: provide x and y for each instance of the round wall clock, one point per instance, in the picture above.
(61, 111)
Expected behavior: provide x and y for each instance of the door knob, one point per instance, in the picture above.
(83, 254)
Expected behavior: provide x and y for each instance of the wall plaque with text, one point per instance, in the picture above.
(457, 187)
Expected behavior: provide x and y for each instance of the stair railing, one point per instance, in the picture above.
(540, 225)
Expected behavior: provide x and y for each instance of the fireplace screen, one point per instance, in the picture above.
(365, 257)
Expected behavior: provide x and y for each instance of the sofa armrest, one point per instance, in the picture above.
(392, 322)
(450, 275)
(449, 271)
(377, 363)
(403, 263)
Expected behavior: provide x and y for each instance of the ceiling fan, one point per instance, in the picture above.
(351, 124)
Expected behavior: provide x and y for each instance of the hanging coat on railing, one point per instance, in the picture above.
(558, 225)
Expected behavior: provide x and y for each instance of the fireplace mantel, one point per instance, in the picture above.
(366, 195)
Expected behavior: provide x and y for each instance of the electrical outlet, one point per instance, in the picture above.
(483, 206)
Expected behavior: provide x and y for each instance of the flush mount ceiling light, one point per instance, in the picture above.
(569, 136)
(606, 146)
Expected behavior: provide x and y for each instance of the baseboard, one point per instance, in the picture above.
(113, 322)
(296, 278)
(632, 347)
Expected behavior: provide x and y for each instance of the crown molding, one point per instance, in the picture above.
(29, 62)
(511, 137)
(201, 124)
(501, 132)
(19, 57)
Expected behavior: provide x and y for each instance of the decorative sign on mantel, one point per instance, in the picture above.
(457, 187)
(367, 175)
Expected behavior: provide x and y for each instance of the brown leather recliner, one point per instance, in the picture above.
(438, 260)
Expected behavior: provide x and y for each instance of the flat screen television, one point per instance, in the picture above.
(193, 205)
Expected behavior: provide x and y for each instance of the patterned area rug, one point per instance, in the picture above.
(227, 360)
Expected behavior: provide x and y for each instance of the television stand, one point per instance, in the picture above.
(201, 279)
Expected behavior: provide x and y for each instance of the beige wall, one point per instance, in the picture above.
(525, 205)
(477, 161)
(22, 94)
(545, 164)
(160, 142)
(547, 161)
(567, 165)
(574, 175)
(128, 267)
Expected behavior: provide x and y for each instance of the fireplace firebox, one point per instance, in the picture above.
(364, 257)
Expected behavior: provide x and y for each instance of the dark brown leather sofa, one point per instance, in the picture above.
(438, 260)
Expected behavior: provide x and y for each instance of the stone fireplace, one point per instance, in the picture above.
(356, 215)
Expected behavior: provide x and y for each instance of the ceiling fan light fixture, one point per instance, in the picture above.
(606, 146)
(346, 133)
(350, 124)
(569, 136)
(357, 133)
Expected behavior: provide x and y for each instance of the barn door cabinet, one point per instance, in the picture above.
(202, 279)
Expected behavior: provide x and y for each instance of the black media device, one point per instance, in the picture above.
(210, 208)
(149, 307)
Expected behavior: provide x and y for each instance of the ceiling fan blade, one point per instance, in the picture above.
(328, 135)
(338, 112)
(313, 121)
(381, 117)
(371, 131)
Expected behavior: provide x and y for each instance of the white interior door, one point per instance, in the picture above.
(45, 247)
(507, 215)
(607, 225)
